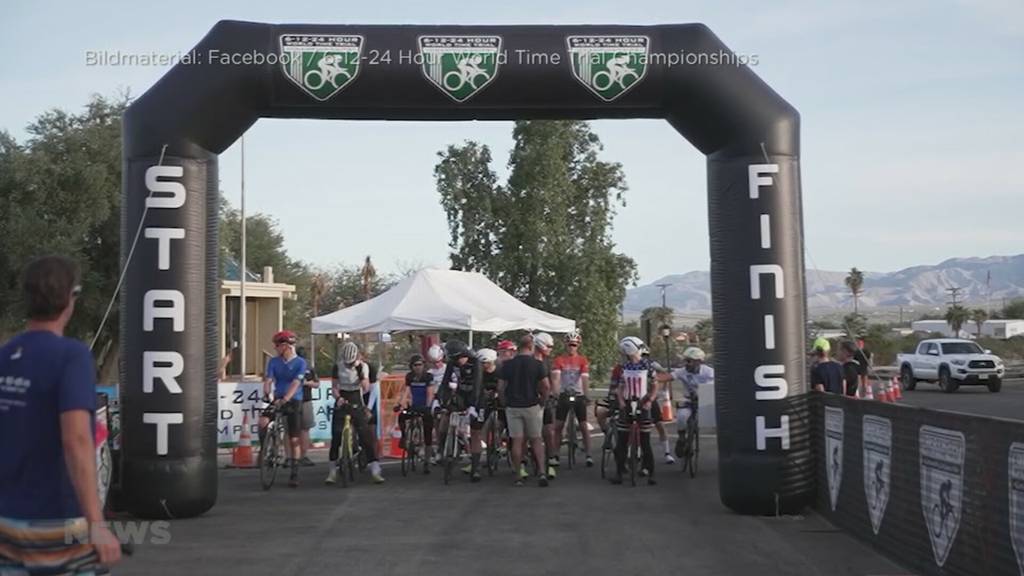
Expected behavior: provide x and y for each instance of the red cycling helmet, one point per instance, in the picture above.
(506, 345)
(284, 336)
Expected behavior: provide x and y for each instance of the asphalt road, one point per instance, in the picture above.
(1007, 403)
(416, 525)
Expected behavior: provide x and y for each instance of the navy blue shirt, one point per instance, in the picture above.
(42, 375)
(830, 375)
(418, 386)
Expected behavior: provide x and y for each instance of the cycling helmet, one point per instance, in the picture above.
(506, 345)
(487, 355)
(694, 353)
(455, 348)
(284, 337)
(631, 345)
(349, 352)
(822, 343)
(573, 337)
(435, 353)
(544, 341)
(414, 359)
(644, 350)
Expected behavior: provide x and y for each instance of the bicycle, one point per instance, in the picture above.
(496, 434)
(633, 440)
(451, 449)
(610, 437)
(348, 452)
(412, 437)
(620, 79)
(942, 511)
(272, 447)
(688, 444)
(468, 76)
(329, 73)
(571, 433)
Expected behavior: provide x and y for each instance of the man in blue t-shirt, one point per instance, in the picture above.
(284, 376)
(48, 487)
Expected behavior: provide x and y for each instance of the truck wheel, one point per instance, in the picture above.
(946, 382)
(907, 377)
(995, 384)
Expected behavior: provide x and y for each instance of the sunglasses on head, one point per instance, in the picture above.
(573, 345)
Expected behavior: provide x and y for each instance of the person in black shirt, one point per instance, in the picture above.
(851, 368)
(525, 387)
(827, 374)
(460, 391)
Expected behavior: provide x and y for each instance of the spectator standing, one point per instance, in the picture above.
(525, 387)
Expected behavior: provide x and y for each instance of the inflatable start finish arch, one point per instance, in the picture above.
(244, 71)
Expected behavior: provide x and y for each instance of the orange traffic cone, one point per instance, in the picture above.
(897, 389)
(395, 446)
(868, 393)
(888, 391)
(241, 455)
(666, 411)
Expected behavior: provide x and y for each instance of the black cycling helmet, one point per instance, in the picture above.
(456, 348)
(414, 359)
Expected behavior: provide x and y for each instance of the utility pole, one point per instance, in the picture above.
(663, 286)
(954, 294)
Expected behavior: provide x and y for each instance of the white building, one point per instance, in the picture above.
(1001, 329)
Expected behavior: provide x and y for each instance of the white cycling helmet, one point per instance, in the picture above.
(631, 345)
(573, 337)
(487, 355)
(694, 353)
(544, 341)
(435, 353)
(349, 352)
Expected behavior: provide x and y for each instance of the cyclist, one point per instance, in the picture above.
(618, 68)
(489, 381)
(543, 344)
(571, 373)
(636, 382)
(350, 377)
(694, 373)
(418, 395)
(436, 367)
(329, 68)
(460, 391)
(469, 69)
(284, 376)
(506, 351)
(612, 399)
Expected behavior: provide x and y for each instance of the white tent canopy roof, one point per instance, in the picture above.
(434, 299)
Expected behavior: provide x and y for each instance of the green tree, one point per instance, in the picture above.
(1014, 310)
(545, 236)
(60, 192)
(855, 325)
(705, 330)
(979, 316)
(957, 316)
(855, 282)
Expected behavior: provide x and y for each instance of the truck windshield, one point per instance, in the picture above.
(961, 348)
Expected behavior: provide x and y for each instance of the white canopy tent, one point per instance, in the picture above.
(434, 299)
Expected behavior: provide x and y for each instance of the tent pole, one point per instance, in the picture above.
(470, 338)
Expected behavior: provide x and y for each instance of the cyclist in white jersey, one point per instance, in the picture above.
(694, 373)
(436, 367)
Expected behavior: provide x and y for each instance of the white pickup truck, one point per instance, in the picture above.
(951, 363)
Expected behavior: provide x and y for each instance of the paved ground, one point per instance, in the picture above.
(1008, 403)
(416, 525)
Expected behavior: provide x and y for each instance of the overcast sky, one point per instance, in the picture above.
(912, 115)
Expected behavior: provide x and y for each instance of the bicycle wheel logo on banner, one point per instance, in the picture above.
(1016, 466)
(942, 480)
(834, 452)
(877, 467)
(460, 66)
(609, 65)
(319, 64)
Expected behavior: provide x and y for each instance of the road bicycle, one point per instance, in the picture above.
(688, 444)
(274, 445)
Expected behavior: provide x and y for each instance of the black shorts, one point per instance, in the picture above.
(549, 411)
(578, 406)
(293, 414)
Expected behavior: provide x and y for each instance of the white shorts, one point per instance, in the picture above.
(683, 416)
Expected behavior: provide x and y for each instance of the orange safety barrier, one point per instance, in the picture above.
(390, 391)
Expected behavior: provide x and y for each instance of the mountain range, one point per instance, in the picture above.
(918, 286)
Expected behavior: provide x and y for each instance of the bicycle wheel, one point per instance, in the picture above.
(571, 437)
(600, 85)
(345, 460)
(459, 81)
(694, 445)
(407, 438)
(310, 84)
(414, 444)
(450, 452)
(938, 521)
(634, 452)
(608, 450)
(268, 448)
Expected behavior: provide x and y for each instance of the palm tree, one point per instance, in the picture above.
(957, 316)
(979, 316)
(855, 282)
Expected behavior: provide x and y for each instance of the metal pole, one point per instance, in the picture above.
(241, 270)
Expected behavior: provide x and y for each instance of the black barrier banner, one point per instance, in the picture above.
(939, 492)
(243, 71)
